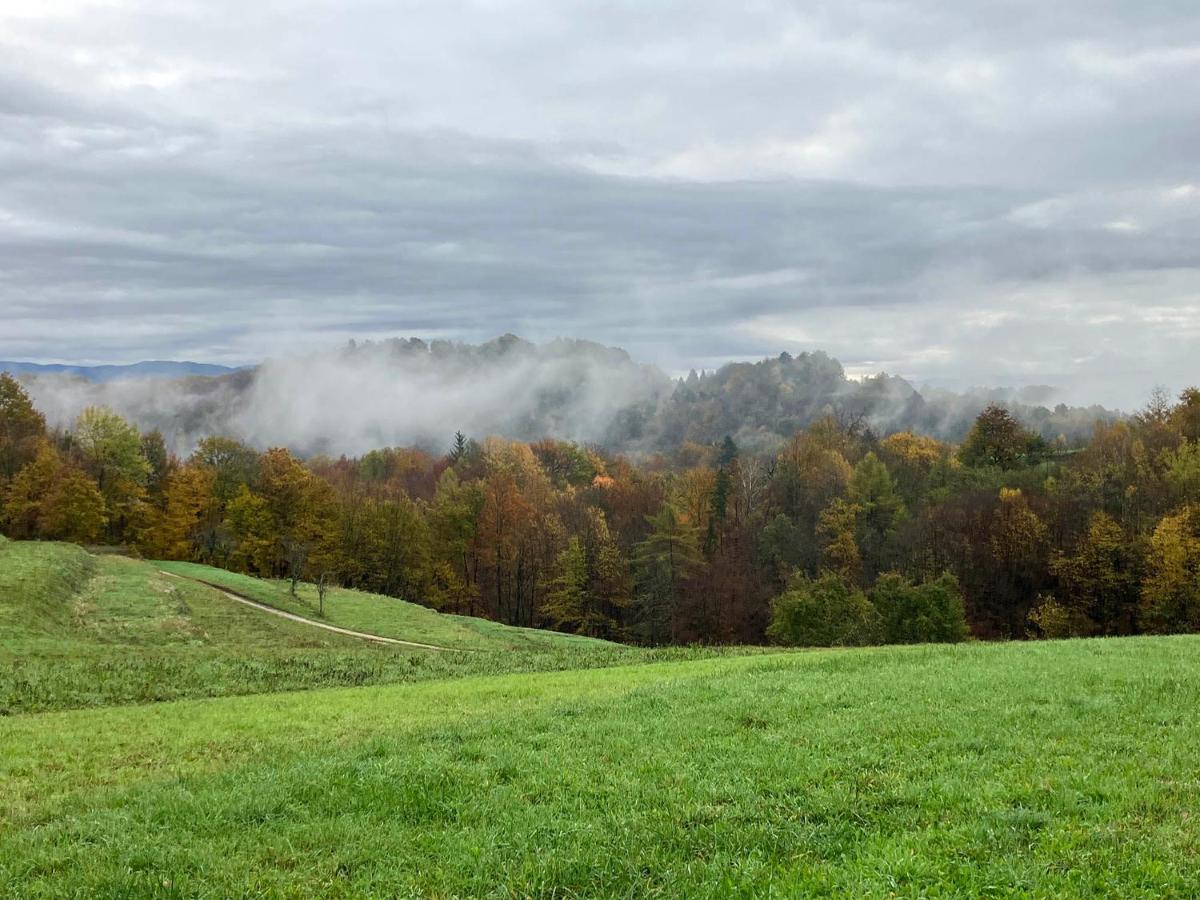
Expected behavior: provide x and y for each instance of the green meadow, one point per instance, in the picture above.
(79, 630)
(1034, 769)
(386, 616)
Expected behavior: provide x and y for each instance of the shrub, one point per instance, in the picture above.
(926, 613)
(826, 612)
(1051, 619)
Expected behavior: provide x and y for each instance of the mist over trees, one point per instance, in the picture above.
(835, 535)
(411, 393)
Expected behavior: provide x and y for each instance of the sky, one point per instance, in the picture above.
(970, 193)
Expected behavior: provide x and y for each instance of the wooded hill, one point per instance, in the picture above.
(840, 536)
(412, 393)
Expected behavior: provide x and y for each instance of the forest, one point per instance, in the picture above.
(411, 393)
(842, 535)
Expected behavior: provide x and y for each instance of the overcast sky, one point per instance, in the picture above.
(961, 193)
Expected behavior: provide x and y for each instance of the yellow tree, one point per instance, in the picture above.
(1098, 581)
(1171, 591)
(51, 500)
(73, 510)
(253, 533)
(302, 509)
(176, 533)
(913, 459)
(24, 497)
(1019, 544)
(837, 528)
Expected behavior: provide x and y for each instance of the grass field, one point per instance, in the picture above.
(78, 630)
(386, 616)
(541, 765)
(1040, 769)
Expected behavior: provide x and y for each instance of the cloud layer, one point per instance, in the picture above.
(957, 193)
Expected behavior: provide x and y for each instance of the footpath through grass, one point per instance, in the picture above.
(78, 630)
(385, 616)
(1047, 769)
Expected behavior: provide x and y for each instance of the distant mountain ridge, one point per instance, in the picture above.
(151, 368)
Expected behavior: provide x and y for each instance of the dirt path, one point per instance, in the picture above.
(377, 638)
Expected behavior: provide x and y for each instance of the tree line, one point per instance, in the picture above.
(842, 536)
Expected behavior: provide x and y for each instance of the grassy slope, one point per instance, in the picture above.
(79, 630)
(59, 598)
(1040, 769)
(385, 616)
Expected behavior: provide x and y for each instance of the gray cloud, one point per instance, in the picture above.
(958, 193)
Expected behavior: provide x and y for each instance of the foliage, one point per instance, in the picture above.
(997, 439)
(925, 613)
(683, 546)
(663, 561)
(1098, 582)
(1170, 598)
(826, 612)
(22, 428)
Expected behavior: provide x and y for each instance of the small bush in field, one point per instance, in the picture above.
(825, 612)
(928, 613)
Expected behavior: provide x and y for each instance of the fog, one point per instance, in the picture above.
(387, 394)
(413, 393)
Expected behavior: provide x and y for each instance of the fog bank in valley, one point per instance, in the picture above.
(413, 393)
(402, 392)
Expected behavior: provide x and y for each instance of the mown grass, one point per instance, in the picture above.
(386, 616)
(1049, 769)
(78, 630)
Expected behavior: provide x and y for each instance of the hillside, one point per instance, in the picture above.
(1037, 769)
(345, 401)
(78, 629)
(382, 615)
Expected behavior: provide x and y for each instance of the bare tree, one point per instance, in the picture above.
(324, 583)
(753, 477)
(296, 553)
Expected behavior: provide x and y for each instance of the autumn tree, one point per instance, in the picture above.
(184, 527)
(302, 514)
(1019, 560)
(1185, 417)
(252, 532)
(838, 529)
(154, 449)
(22, 428)
(1098, 582)
(1181, 472)
(588, 585)
(454, 533)
(1170, 594)
(880, 511)
(997, 439)
(810, 473)
(25, 495)
(663, 561)
(913, 460)
(504, 524)
(112, 454)
(233, 464)
(52, 500)
(397, 548)
(73, 510)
